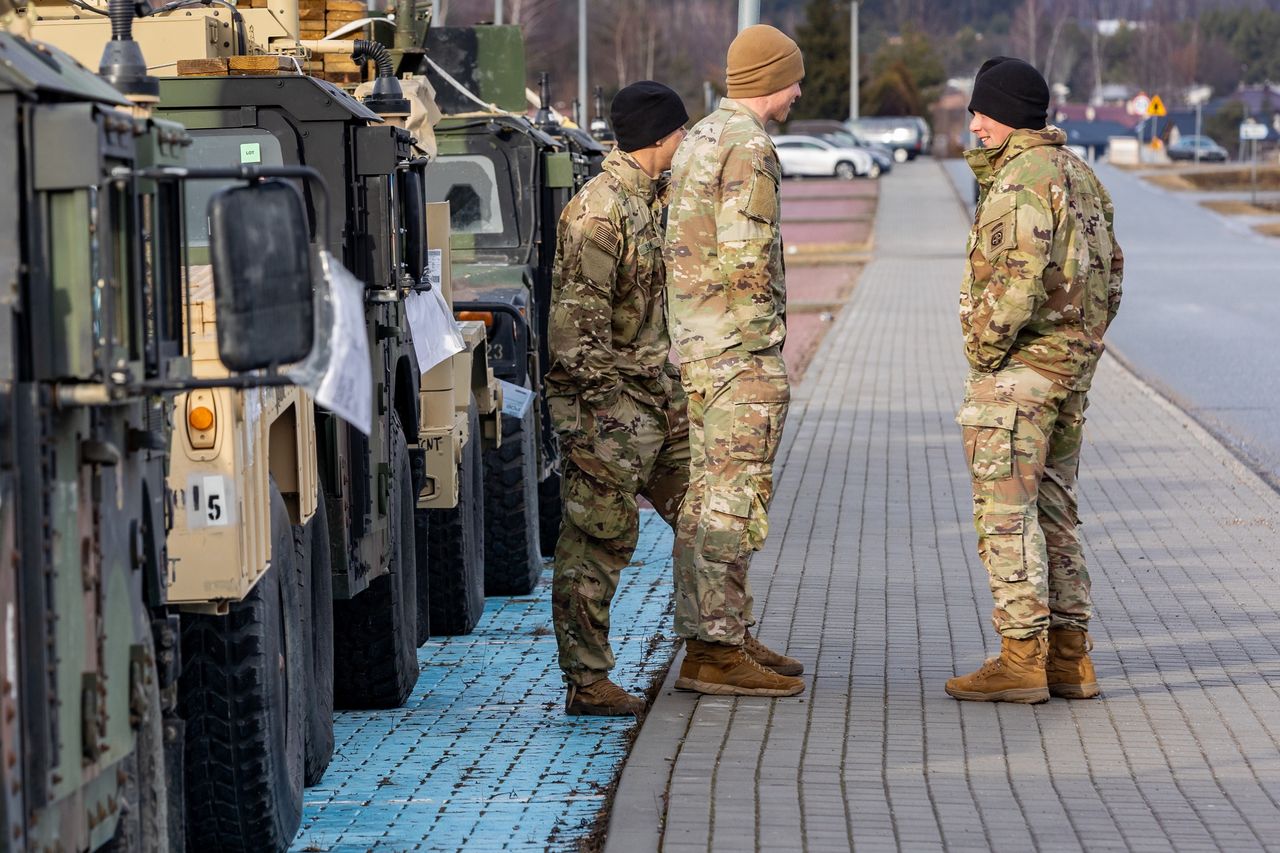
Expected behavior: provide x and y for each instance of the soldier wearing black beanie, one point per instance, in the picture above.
(1012, 92)
(644, 113)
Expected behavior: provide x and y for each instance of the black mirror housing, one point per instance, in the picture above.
(263, 292)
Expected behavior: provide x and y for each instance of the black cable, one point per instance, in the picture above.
(237, 20)
(94, 9)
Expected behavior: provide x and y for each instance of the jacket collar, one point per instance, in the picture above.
(985, 163)
(737, 107)
(624, 168)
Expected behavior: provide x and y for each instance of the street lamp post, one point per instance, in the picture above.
(497, 12)
(748, 13)
(853, 60)
(582, 51)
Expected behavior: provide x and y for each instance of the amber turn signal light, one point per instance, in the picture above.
(485, 317)
(200, 418)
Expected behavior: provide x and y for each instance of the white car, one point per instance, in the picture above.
(809, 155)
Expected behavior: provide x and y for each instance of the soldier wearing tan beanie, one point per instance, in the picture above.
(726, 307)
(762, 60)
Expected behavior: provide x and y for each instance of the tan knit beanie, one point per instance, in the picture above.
(763, 60)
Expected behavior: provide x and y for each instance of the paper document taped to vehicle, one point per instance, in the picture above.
(515, 400)
(435, 267)
(435, 332)
(338, 372)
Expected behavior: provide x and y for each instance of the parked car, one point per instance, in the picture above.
(810, 155)
(839, 133)
(908, 136)
(849, 139)
(1186, 148)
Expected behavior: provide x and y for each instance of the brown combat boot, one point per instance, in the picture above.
(1016, 676)
(1069, 671)
(602, 698)
(722, 670)
(770, 659)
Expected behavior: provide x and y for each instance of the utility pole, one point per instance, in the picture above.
(497, 12)
(582, 51)
(748, 13)
(853, 60)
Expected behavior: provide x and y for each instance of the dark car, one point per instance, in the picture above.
(908, 136)
(1186, 148)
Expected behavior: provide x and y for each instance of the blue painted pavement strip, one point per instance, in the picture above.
(482, 757)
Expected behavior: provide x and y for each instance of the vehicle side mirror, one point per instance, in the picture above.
(261, 257)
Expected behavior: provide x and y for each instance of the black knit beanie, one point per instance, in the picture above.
(1012, 92)
(645, 112)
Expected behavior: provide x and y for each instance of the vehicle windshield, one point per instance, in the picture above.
(470, 186)
(222, 149)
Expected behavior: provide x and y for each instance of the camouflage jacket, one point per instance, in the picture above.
(1044, 269)
(608, 327)
(725, 276)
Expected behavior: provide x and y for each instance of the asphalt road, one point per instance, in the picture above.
(1201, 313)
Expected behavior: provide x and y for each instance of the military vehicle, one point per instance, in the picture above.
(507, 180)
(95, 335)
(253, 734)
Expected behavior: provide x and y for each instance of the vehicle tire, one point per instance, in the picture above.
(375, 650)
(241, 696)
(456, 561)
(144, 819)
(316, 580)
(900, 155)
(422, 546)
(874, 171)
(512, 559)
(845, 171)
(550, 513)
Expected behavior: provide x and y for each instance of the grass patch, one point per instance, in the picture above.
(1219, 178)
(1240, 207)
(1269, 229)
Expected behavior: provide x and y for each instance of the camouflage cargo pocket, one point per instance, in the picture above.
(1002, 545)
(597, 509)
(757, 430)
(724, 525)
(988, 439)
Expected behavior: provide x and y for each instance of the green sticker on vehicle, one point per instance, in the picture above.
(250, 152)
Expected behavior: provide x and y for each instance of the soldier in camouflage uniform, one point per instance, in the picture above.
(727, 304)
(1042, 286)
(614, 395)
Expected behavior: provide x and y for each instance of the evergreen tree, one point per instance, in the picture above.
(824, 39)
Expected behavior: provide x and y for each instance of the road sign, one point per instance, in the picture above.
(1138, 105)
(1156, 107)
(1252, 130)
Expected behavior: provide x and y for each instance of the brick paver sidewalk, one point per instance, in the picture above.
(870, 576)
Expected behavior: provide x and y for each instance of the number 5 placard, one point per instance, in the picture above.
(211, 501)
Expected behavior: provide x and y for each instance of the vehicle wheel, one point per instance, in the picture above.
(550, 513)
(845, 171)
(456, 561)
(241, 696)
(144, 819)
(900, 155)
(874, 171)
(512, 559)
(375, 639)
(422, 545)
(316, 580)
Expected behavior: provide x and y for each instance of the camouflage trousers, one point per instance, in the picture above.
(1022, 437)
(609, 458)
(737, 406)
